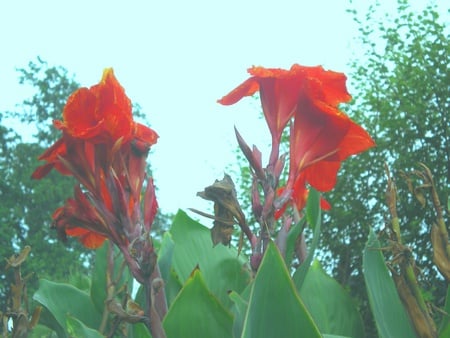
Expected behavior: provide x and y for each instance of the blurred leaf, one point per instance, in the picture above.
(139, 330)
(64, 299)
(41, 331)
(444, 330)
(221, 267)
(390, 316)
(313, 205)
(75, 328)
(165, 255)
(292, 236)
(98, 280)
(239, 309)
(275, 309)
(80, 281)
(172, 286)
(313, 210)
(329, 304)
(46, 319)
(196, 312)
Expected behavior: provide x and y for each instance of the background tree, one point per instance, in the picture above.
(26, 205)
(401, 89)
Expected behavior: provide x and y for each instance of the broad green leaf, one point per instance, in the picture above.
(172, 286)
(48, 320)
(196, 312)
(330, 305)
(165, 255)
(76, 328)
(40, 331)
(390, 316)
(64, 299)
(239, 309)
(221, 267)
(275, 309)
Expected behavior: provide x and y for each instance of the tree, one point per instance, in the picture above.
(401, 86)
(26, 205)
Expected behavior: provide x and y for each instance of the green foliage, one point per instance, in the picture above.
(400, 85)
(274, 307)
(221, 267)
(313, 213)
(211, 293)
(390, 316)
(73, 312)
(63, 300)
(26, 205)
(330, 305)
(196, 312)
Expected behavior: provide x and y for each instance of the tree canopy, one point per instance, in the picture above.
(400, 85)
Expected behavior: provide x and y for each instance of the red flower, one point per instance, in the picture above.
(105, 150)
(98, 115)
(299, 197)
(321, 135)
(321, 138)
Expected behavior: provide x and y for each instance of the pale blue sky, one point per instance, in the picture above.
(176, 58)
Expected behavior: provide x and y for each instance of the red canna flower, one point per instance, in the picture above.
(105, 150)
(98, 115)
(299, 197)
(321, 138)
(321, 135)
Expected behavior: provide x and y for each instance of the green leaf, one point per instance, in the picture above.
(64, 299)
(330, 305)
(165, 255)
(222, 268)
(139, 330)
(292, 236)
(300, 273)
(48, 320)
(196, 312)
(444, 330)
(76, 328)
(98, 282)
(40, 331)
(239, 310)
(390, 316)
(313, 210)
(275, 309)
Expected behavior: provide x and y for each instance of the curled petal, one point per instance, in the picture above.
(89, 239)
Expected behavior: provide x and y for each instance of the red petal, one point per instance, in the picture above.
(247, 88)
(89, 239)
(145, 134)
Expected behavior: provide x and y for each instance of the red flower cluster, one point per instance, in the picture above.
(105, 150)
(321, 135)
